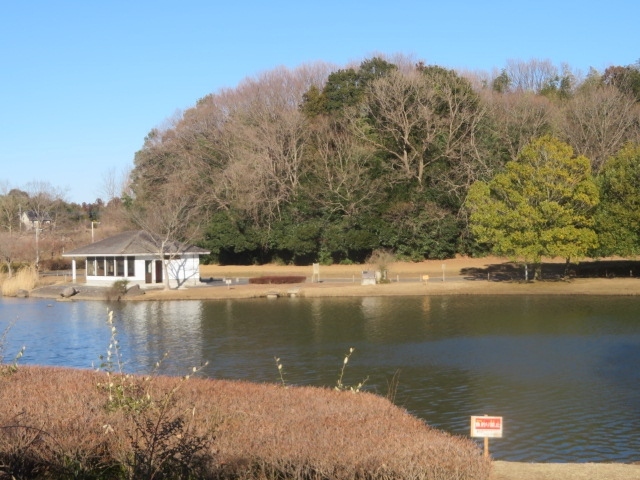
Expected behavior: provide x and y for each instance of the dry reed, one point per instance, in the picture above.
(53, 422)
(23, 279)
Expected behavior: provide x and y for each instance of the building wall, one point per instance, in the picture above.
(183, 271)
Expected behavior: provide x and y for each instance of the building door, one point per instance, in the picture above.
(158, 271)
(148, 272)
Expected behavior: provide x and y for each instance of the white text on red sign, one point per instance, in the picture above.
(486, 426)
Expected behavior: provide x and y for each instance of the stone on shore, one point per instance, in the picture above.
(134, 291)
(68, 292)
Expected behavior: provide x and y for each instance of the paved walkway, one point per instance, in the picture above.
(85, 292)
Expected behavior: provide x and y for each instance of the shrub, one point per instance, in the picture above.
(15, 266)
(53, 264)
(116, 290)
(381, 259)
(277, 279)
(162, 443)
(52, 424)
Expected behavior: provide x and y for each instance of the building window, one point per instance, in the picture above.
(111, 264)
(119, 266)
(100, 266)
(131, 266)
(91, 266)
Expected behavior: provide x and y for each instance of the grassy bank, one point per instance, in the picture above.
(64, 423)
(24, 279)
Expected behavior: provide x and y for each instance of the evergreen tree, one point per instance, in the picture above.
(540, 206)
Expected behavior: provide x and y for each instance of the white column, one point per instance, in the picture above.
(73, 269)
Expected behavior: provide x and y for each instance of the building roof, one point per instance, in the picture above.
(34, 216)
(137, 242)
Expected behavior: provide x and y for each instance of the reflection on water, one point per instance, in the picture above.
(564, 373)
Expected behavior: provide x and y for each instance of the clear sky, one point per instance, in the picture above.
(82, 82)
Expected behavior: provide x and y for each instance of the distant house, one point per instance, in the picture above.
(32, 220)
(133, 256)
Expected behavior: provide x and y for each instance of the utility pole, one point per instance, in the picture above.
(92, 222)
(37, 247)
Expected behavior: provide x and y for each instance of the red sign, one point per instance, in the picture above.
(486, 426)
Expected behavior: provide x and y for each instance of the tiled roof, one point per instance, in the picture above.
(137, 242)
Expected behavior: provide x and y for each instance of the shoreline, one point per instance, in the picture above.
(459, 276)
(505, 470)
(603, 287)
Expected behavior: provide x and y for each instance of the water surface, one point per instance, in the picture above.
(563, 371)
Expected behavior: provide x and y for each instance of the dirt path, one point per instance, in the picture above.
(564, 471)
(459, 276)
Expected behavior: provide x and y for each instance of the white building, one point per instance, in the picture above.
(32, 220)
(134, 256)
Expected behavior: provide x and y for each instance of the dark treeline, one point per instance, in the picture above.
(329, 164)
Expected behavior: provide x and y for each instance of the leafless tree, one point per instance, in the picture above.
(530, 76)
(422, 117)
(44, 203)
(44, 200)
(11, 248)
(520, 117)
(403, 121)
(115, 184)
(462, 114)
(10, 201)
(171, 214)
(342, 166)
(599, 121)
(266, 137)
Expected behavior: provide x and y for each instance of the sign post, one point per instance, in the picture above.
(486, 427)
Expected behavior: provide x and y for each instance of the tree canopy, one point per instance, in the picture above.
(328, 164)
(618, 216)
(540, 206)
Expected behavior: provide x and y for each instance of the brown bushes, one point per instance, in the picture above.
(56, 263)
(277, 279)
(53, 422)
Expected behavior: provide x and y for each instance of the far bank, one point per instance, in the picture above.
(458, 276)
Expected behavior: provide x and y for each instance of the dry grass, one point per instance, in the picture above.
(53, 423)
(24, 279)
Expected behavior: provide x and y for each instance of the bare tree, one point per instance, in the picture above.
(462, 114)
(422, 117)
(599, 121)
(530, 76)
(10, 201)
(11, 248)
(171, 216)
(267, 136)
(43, 205)
(402, 123)
(44, 200)
(115, 184)
(342, 166)
(520, 117)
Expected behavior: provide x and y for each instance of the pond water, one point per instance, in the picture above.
(564, 372)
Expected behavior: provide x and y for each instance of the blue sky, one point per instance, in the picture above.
(82, 82)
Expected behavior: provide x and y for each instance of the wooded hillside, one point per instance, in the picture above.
(327, 164)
